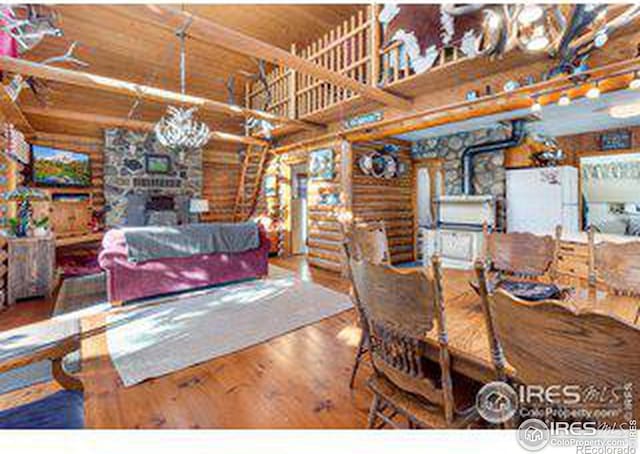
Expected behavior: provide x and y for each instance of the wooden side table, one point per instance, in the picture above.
(31, 263)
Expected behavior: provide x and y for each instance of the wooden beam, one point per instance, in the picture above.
(617, 75)
(84, 79)
(67, 138)
(13, 114)
(233, 40)
(139, 125)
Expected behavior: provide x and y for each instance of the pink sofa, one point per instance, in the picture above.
(127, 281)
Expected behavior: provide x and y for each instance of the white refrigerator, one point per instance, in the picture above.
(539, 199)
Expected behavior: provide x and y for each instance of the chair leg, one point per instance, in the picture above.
(359, 354)
(373, 412)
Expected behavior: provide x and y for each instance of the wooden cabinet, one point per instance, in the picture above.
(69, 211)
(31, 263)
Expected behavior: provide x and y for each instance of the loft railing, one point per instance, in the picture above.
(353, 49)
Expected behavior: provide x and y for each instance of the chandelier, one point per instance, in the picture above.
(178, 130)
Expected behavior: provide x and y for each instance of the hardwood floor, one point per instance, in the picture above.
(299, 380)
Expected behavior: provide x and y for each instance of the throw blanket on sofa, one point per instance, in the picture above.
(159, 242)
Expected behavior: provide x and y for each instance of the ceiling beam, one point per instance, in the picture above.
(230, 39)
(139, 125)
(13, 114)
(85, 79)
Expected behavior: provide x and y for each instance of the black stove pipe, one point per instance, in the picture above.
(518, 134)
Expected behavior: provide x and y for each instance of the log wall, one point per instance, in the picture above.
(324, 239)
(220, 179)
(391, 201)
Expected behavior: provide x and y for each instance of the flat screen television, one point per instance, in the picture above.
(54, 167)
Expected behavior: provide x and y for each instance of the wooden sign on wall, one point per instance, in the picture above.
(364, 119)
(615, 140)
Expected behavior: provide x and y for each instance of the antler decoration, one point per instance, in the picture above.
(258, 123)
(39, 21)
(66, 57)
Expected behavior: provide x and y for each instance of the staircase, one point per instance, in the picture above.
(251, 175)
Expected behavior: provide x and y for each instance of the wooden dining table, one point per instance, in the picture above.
(466, 326)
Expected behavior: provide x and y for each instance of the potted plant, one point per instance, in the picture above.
(23, 196)
(41, 226)
(14, 225)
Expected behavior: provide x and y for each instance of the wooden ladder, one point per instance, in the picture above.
(253, 169)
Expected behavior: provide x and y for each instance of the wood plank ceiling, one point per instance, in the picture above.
(117, 42)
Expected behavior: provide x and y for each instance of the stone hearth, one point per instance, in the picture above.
(125, 172)
(489, 172)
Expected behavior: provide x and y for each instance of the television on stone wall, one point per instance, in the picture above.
(55, 167)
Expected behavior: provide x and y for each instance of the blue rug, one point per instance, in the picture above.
(62, 410)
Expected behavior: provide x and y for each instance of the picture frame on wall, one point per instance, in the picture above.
(157, 163)
(620, 139)
(321, 164)
(270, 186)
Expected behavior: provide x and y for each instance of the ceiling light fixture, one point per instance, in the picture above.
(635, 83)
(529, 14)
(178, 130)
(625, 111)
(564, 100)
(593, 92)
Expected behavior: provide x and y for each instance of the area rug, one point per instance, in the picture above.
(156, 339)
(78, 297)
(82, 295)
(61, 410)
(78, 260)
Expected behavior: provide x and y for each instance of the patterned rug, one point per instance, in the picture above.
(78, 260)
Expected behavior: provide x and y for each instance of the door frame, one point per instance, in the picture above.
(286, 196)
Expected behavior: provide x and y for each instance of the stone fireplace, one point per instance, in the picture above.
(135, 194)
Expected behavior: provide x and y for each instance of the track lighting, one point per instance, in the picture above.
(536, 106)
(635, 83)
(564, 100)
(593, 92)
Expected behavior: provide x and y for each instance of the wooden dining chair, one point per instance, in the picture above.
(617, 266)
(550, 343)
(401, 307)
(519, 255)
(371, 241)
(366, 242)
